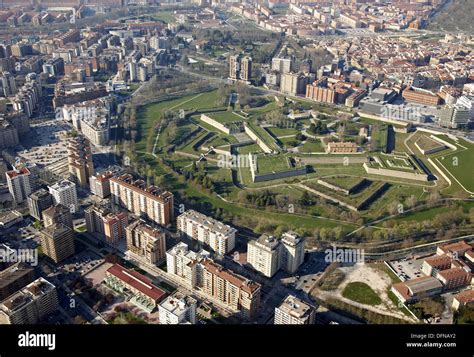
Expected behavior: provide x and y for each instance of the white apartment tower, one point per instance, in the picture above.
(177, 309)
(64, 192)
(216, 235)
(294, 311)
(263, 255)
(292, 254)
(268, 254)
(19, 184)
(184, 263)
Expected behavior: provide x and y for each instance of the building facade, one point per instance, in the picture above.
(214, 234)
(154, 203)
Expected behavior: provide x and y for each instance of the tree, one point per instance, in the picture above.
(411, 201)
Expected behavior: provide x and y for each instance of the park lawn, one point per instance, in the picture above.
(346, 182)
(311, 146)
(374, 122)
(148, 118)
(264, 135)
(225, 117)
(459, 164)
(400, 141)
(276, 163)
(252, 148)
(217, 141)
(165, 16)
(206, 100)
(293, 221)
(189, 147)
(290, 142)
(430, 213)
(361, 293)
(277, 132)
(395, 192)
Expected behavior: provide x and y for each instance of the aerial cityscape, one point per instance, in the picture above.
(224, 162)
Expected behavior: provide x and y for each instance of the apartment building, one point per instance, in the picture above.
(29, 305)
(293, 83)
(57, 242)
(454, 278)
(73, 35)
(463, 298)
(184, 263)
(146, 241)
(263, 255)
(455, 250)
(214, 234)
(153, 202)
(108, 225)
(294, 311)
(39, 201)
(64, 192)
(19, 184)
(282, 65)
(232, 289)
(454, 116)
(292, 254)
(177, 309)
(100, 182)
(80, 163)
(240, 67)
(14, 278)
(432, 265)
(8, 134)
(269, 254)
(58, 214)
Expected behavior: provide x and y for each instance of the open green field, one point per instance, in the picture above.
(267, 164)
(225, 117)
(277, 132)
(311, 145)
(430, 213)
(252, 148)
(361, 293)
(459, 163)
(264, 135)
(149, 115)
(358, 199)
(346, 182)
(164, 16)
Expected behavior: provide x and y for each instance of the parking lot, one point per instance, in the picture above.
(48, 144)
(408, 269)
(83, 262)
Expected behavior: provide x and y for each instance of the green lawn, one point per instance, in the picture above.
(361, 293)
(148, 118)
(165, 16)
(277, 132)
(312, 145)
(460, 164)
(346, 182)
(266, 164)
(264, 135)
(225, 117)
(254, 148)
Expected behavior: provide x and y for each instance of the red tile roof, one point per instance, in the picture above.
(465, 296)
(137, 281)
